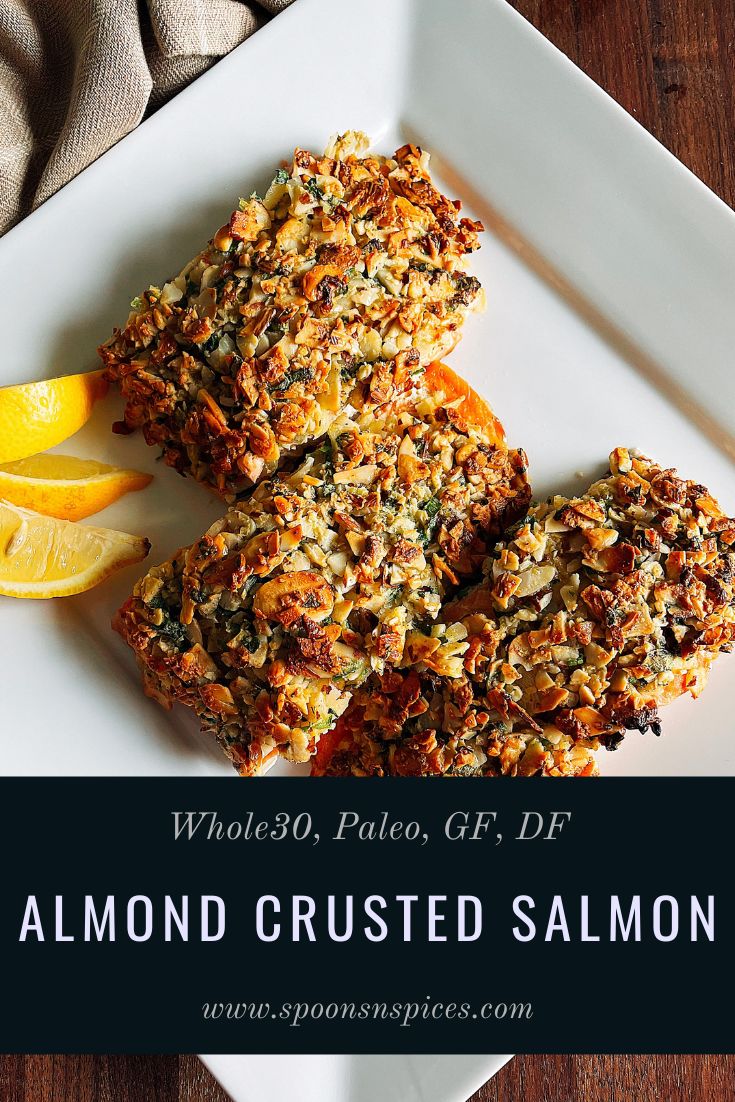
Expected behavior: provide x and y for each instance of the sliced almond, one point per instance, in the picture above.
(534, 579)
(300, 593)
(356, 476)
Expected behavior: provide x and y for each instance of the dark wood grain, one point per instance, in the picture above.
(525, 1079)
(671, 64)
(613, 1079)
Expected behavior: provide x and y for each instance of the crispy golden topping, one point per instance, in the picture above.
(411, 724)
(339, 285)
(615, 602)
(325, 572)
(595, 611)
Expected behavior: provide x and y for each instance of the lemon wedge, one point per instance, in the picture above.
(41, 556)
(36, 416)
(64, 486)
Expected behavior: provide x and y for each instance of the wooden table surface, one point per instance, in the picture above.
(671, 64)
(524, 1079)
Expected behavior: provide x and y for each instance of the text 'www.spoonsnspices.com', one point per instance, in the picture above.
(403, 1014)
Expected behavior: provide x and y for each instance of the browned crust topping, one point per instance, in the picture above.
(267, 624)
(339, 285)
(595, 611)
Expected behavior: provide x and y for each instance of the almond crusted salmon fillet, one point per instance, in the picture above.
(339, 286)
(596, 611)
(323, 574)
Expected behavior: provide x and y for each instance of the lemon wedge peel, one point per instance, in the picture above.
(37, 416)
(43, 557)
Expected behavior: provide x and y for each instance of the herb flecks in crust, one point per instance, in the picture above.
(339, 286)
(328, 572)
(595, 612)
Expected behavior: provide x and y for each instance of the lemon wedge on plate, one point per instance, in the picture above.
(36, 416)
(41, 556)
(64, 486)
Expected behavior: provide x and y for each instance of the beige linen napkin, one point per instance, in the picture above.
(77, 75)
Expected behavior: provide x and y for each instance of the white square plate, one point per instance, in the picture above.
(353, 1078)
(610, 273)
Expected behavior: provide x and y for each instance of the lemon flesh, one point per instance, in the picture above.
(42, 556)
(37, 416)
(64, 486)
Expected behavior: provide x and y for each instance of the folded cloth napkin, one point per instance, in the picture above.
(77, 75)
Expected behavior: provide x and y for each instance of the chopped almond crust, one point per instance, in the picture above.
(595, 611)
(414, 723)
(338, 287)
(319, 576)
